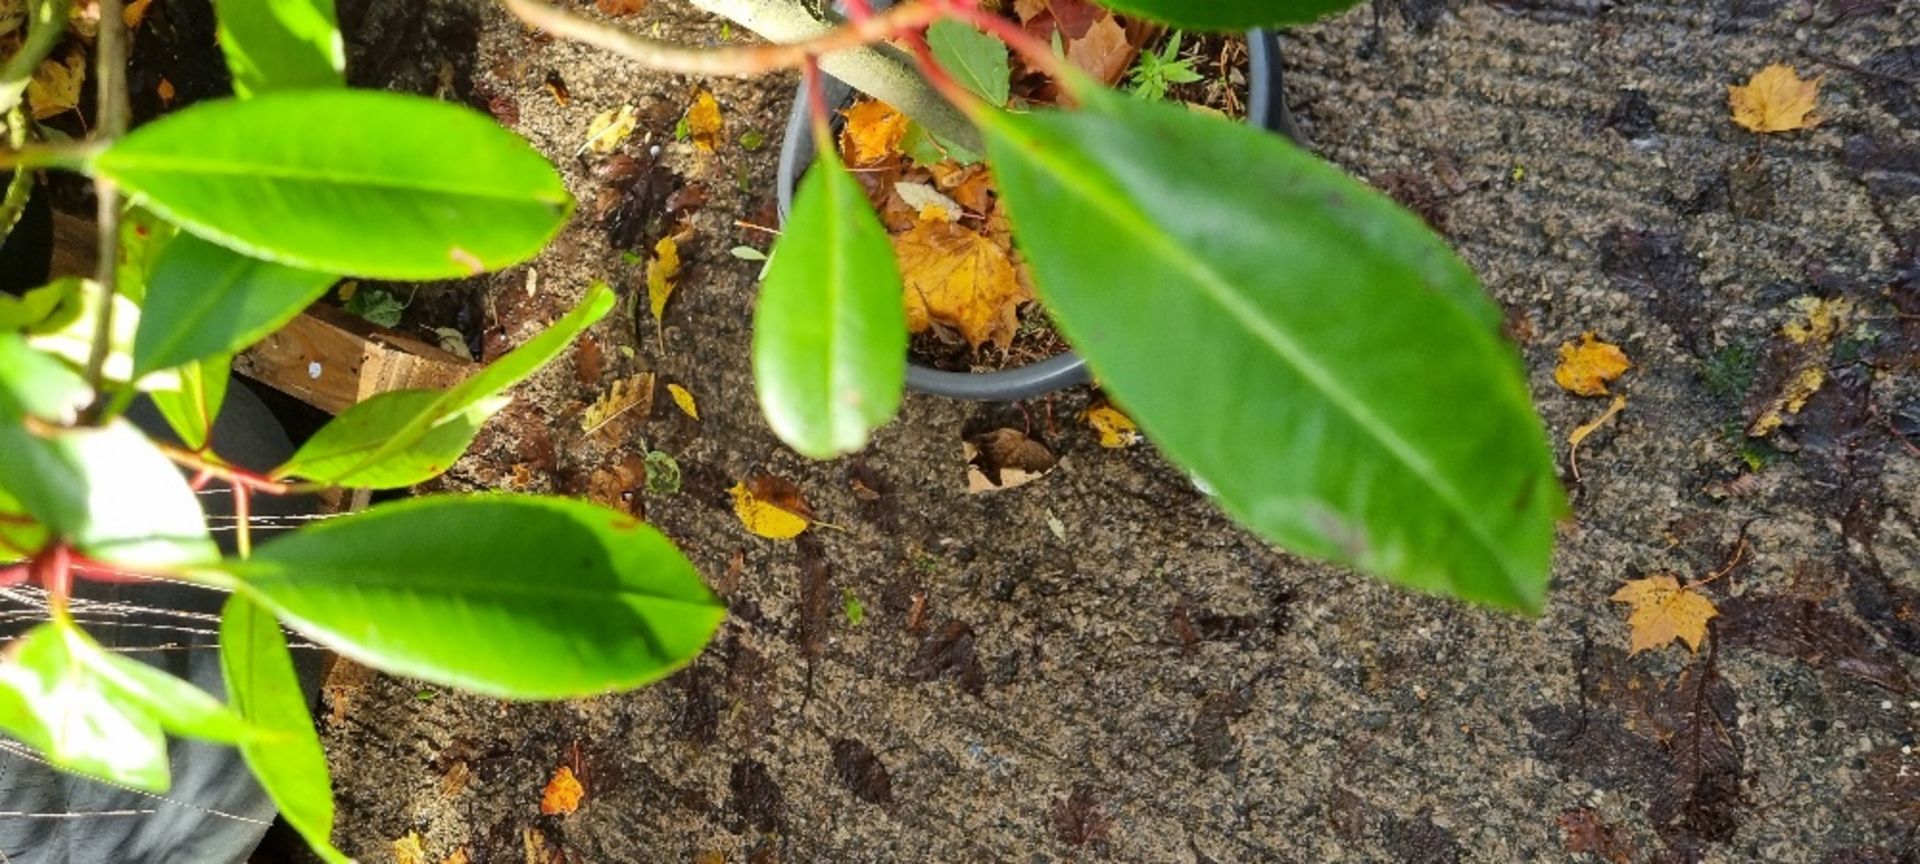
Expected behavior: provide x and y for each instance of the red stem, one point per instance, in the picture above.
(54, 571)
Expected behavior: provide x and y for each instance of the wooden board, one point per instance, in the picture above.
(325, 358)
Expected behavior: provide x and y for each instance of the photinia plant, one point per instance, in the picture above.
(221, 223)
(1303, 345)
(1299, 342)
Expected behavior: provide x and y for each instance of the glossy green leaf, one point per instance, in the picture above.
(191, 409)
(511, 596)
(105, 489)
(359, 182)
(281, 45)
(46, 309)
(1297, 340)
(400, 440)
(339, 453)
(21, 535)
(205, 300)
(100, 714)
(286, 755)
(978, 61)
(73, 340)
(1229, 14)
(830, 330)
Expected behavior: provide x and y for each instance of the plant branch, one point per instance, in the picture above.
(881, 71)
(237, 477)
(110, 85)
(20, 186)
(739, 60)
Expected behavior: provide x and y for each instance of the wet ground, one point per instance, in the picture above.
(1098, 665)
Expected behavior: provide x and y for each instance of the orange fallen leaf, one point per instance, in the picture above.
(133, 13)
(1775, 99)
(621, 8)
(872, 133)
(459, 856)
(1664, 611)
(1587, 366)
(563, 793)
(703, 121)
(683, 399)
(1104, 52)
(165, 91)
(771, 507)
(1116, 429)
(958, 278)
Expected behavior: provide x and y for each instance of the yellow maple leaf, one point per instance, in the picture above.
(1588, 365)
(703, 121)
(563, 793)
(610, 128)
(872, 133)
(55, 85)
(1116, 429)
(683, 398)
(768, 507)
(408, 850)
(1775, 99)
(1664, 611)
(958, 278)
(1793, 397)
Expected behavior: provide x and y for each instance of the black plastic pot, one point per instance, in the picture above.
(1266, 108)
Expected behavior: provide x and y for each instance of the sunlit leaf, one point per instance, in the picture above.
(205, 300)
(510, 596)
(281, 44)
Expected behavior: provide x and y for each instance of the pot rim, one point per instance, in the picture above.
(1266, 108)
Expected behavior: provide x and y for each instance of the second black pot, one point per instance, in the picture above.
(1266, 108)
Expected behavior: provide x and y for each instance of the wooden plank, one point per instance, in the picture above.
(331, 360)
(325, 358)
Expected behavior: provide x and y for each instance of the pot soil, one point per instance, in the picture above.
(1038, 361)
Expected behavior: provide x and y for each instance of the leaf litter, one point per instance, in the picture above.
(771, 507)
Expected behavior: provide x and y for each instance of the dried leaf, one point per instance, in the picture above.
(1775, 99)
(165, 91)
(1581, 432)
(407, 850)
(662, 271)
(872, 133)
(771, 507)
(134, 12)
(1587, 366)
(1003, 459)
(563, 793)
(622, 397)
(1584, 832)
(958, 278)
(703, 121)
(928, 204)
(459, 856)
(1814, 326)
(610, 128)
(1663, 611)
(1104, 52)
(55, 85)
(1116, 429)
(621, 8)
(683, 398)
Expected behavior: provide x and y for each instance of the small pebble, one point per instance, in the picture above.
(313, 370)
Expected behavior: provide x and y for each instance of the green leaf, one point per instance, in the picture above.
(265, 689)
(73, 339)
(830, 330)
(104, 489)
(46, 309)
(358, 182)
(1293, 337)
(281, 45)
(339, 453)
(100, 714)
(205, 301)
(21, 535)
(191, 409)
(977, 60)
(415, 432)
(143, 236)
(509, 596)
(1225, 15)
